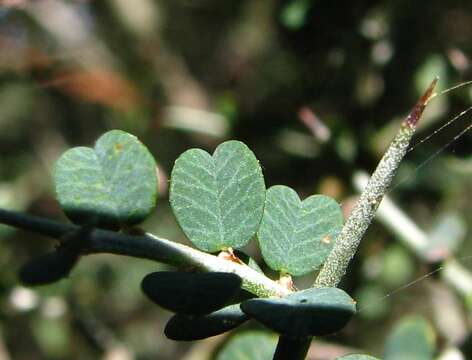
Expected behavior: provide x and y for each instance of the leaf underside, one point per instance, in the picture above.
(48, 268)
(187, 328)
(311, 312)
(191, 293)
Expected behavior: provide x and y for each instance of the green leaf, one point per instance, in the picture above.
(295, 236)
(218, 200)
(412, 339)
(250, 345)
(311, 312)
(187, 328)
(113, 184)
(191, 293)
(357, 357)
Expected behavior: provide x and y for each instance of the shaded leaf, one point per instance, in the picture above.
(187, 328)
(295, 236)
(48, 268)
(218, 200)
(253, 345)
(114, 183)
(191, 293)
(311, 312)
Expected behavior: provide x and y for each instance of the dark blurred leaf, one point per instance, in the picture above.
(191, 293)
(48, 268)
(186, 328)
(311, 312)
(412, 339)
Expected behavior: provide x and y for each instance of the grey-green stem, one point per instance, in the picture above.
(364, 211)
(148, 246)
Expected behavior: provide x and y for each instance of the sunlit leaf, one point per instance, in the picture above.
(218, 200)
(115, 183)
(296, 236)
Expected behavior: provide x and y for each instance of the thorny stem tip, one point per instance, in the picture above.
(364, 211)
(415, 114)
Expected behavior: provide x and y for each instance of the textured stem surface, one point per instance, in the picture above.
(150, 247)
(364, 211)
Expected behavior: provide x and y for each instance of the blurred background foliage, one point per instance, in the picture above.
(315, 88)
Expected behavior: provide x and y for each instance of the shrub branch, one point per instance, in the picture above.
(147, 246)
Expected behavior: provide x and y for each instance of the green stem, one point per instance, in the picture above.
(291, 349)
(147, 246)
(364, 211)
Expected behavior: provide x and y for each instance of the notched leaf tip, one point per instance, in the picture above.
(415, 114)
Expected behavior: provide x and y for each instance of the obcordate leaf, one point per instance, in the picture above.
(191, 293)
(311, 312)
(48, 268)
(218, 200)
(296, 236)
(252, 344)
(187, 328)
(113, 184)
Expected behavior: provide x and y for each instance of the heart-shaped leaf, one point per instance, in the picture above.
(296, 236)
(218, 200)
(113, 184)
(48, 268)
(311, 312)
(249, 345)
(187, 328)
(191, 293)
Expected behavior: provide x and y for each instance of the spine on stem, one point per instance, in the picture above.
(364, 211)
